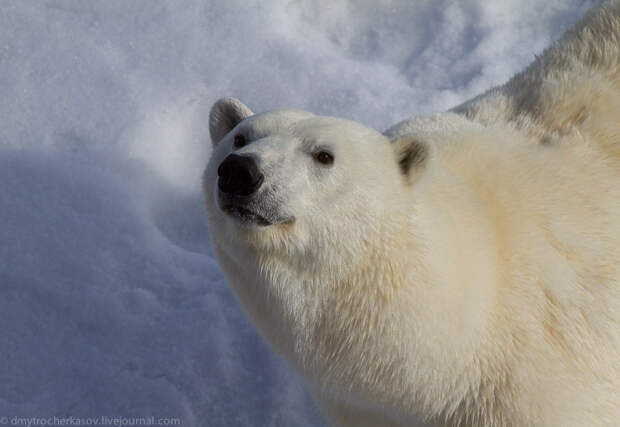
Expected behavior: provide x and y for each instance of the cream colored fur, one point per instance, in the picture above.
(483, 288)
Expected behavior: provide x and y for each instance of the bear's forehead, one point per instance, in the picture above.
(278, 122)
(304, 126)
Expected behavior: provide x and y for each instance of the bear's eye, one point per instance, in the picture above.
(324, 157)
(239, 141)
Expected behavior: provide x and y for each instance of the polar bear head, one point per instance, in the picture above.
(288, 178)
(304, 209)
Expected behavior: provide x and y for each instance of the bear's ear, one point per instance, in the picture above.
(414, 154)
(225, 114)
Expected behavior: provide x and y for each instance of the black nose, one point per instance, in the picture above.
(239, 175)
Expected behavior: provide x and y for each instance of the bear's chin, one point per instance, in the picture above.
(245, 216)
(250, 216)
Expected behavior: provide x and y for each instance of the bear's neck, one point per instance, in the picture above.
(411, 273)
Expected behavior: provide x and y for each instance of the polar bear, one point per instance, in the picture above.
(463, 268)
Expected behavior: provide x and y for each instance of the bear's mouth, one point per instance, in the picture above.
(245, 215)
(256, 210)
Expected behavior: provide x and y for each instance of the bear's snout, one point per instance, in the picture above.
(239, 175)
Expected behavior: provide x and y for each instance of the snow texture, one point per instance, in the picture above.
(111, 302)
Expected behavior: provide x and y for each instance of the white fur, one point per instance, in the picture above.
(483, 286)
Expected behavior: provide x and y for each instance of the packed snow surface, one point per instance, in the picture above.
(111, 302)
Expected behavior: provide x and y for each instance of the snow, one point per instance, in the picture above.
(110, 298)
